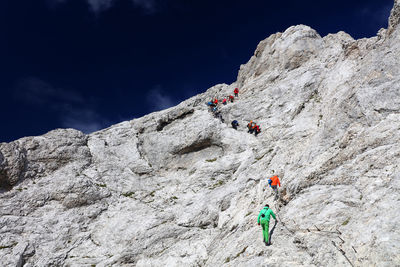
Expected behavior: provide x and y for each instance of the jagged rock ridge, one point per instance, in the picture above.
(181, 188)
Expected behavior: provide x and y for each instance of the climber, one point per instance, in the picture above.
(215, 101)
(235, 124)
(218, 115)
(210, 103)
(250, 126)
(231, 98)
(274, 185)
(257, 130)
(253, 128)
(263, 219)
(236, 92)
(224, 101)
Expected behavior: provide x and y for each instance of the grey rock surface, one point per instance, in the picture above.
(180, 187)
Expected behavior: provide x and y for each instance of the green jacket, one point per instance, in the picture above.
(267, 212)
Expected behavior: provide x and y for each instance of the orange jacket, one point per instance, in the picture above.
(275, 180)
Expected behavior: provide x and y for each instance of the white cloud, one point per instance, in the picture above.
(98, 6)
(83, 119)
(36, 91)
(150, 6)
(158, 100)
(72, 109)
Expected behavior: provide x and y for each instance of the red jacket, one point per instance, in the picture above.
(230, 97)
(236, 91)
(275, 180)
(216, 101)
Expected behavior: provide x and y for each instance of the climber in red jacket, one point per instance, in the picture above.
(236, 92)
(231, 98)
(257, 130)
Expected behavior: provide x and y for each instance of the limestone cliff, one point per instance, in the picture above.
(181, 188)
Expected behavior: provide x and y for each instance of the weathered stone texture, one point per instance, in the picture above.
(181, 188)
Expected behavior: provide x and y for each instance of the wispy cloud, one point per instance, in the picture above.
(98, 6)
(36, 91)
(83, 119)
(70, 106)
(159, 100)
(149, 6)
(377, 17)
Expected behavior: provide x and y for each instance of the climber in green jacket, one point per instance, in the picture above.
(263, 219)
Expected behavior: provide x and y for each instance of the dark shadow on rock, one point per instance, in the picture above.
(271, 232)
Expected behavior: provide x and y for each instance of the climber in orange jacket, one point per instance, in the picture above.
(274, 182)
(250, 126)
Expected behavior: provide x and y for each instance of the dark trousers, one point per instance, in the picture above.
(275, 188)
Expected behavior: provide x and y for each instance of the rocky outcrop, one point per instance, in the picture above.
(38, 156)
(12, 164)
(182, 188)
(394, 19)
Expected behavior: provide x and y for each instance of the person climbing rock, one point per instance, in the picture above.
(235, 124)
(263, 220)
(274, 185)
(215, 101)
(250, 126)
(231, 98)
(236, 92)
(253, 128)
(218, 115)
(257, 130)
(224, 101)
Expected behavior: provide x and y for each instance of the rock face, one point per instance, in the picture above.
(181, 188)
(394, 18)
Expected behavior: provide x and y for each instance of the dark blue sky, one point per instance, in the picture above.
(87, 64)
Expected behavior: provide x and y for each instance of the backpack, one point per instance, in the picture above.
(264, 218)
(270, 182)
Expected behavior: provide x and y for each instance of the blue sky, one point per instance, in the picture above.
(88, 64)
